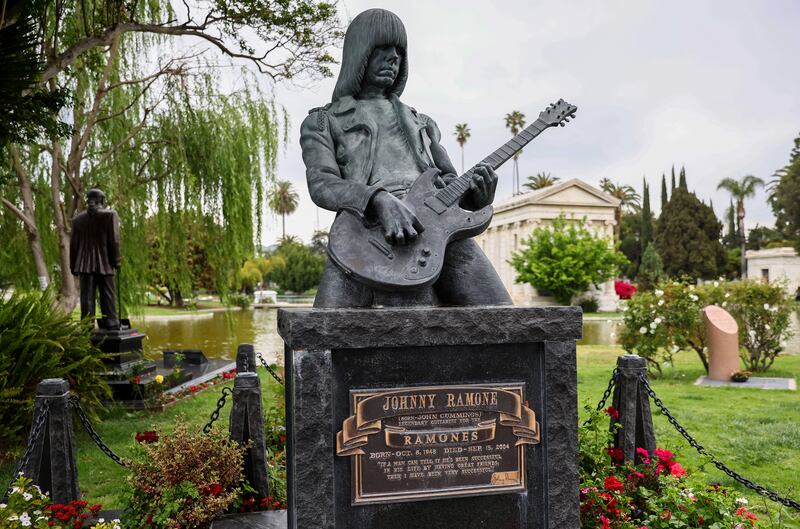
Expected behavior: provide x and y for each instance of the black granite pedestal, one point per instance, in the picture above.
(334, 357)
(123, 346)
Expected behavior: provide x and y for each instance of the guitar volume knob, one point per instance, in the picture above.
(426, 252)
(422, 261)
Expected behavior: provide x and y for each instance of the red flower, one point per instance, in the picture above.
(606, 523)
(700, 520)
(644, 455)
(96, 507)
(146, 437)
(624, 289)
(193, 388)
(136, 380)
(665, 456)
(612, 412)
(666, 515)
(215, 489)
(613, 484)
(676, 470)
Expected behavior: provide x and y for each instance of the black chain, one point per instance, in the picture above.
(794, 504)
(272, 372)
(36, 431)
(87, 425)
(607, 393)
(215, 414)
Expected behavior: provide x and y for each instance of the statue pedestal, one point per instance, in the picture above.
(432, 417)
(125, 345)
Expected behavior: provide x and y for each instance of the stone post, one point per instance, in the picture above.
(245, 358)
(633, 405)
(247, 424)
(51, 464)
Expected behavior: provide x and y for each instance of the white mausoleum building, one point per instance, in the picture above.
(775, 264)
(515, 218)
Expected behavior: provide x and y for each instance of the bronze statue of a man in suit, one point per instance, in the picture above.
(362, 153)
(95, 256)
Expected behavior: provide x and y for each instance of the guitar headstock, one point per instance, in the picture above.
(557, 113)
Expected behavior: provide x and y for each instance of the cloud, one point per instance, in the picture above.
(711, 85)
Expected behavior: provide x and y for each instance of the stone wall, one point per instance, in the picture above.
(775, 264)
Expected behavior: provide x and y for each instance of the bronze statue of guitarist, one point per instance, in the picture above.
(375, 160)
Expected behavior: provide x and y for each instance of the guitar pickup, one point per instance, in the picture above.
(385, 250)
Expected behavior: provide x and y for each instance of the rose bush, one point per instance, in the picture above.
(659, 323)
(652, 492)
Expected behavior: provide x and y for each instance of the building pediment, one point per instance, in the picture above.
(573, 192)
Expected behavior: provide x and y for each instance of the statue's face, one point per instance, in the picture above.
(94, 204)
(383, 67)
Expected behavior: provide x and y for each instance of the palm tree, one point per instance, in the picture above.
(462, 134)
(540, 181)
(628, 199)
(515, 122)
(740, 190)
(283, 201)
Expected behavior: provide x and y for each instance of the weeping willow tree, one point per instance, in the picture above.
(152, 127)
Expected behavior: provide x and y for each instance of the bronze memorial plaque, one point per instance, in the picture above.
(419, 443)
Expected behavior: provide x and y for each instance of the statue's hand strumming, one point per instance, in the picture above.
(483, 185)
(400, 225)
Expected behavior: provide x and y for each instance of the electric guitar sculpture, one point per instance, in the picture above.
(360, 250)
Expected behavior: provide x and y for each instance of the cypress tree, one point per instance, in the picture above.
(687, 238)
(732, 235)
(651, 271)
(673, 178)
(682, 183)
(647, 217)
(664, 197)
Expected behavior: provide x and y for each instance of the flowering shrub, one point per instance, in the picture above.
(652, 492)
(184, 480)
(763, 312)
(669, 319)
(28, 506)
(624, 289)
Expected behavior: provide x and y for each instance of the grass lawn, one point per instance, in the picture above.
(756, 432)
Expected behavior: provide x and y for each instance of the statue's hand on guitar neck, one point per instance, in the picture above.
(400, 225)
(482, 185)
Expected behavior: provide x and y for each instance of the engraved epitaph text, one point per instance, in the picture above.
(417, 443)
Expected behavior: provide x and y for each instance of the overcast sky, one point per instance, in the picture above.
(712, 85)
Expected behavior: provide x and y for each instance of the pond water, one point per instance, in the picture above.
(218, 334)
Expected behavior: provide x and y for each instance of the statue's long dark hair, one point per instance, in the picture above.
(369, 30)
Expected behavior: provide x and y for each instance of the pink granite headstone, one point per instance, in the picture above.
(722, 336)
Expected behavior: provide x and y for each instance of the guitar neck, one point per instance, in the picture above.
(456, 189)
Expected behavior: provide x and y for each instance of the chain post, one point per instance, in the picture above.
(772, 495)
(247, 426)
(87, 425)
(49, 459)
(635, 422)
(215, 414)
(245, 358)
